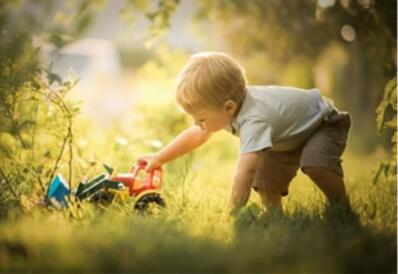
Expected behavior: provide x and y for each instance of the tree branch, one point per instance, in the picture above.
(9, 185)
(9, 114)
(58, 159)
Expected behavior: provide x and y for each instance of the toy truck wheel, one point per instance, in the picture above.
(148, 201)
(102, 197)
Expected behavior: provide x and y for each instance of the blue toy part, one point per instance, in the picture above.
(58, 190)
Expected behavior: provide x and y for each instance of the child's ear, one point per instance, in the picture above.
(230, 107)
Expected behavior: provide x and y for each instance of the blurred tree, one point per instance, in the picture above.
(157, 12)
(287, 33)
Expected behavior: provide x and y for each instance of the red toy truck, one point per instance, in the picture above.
(138, 183)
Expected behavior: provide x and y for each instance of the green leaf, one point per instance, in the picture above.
(59, 39)
(83, 23)
(394, 138)
(392, 123)
(53, 77)
(389, 101)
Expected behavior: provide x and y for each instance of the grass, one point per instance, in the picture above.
(196, 234)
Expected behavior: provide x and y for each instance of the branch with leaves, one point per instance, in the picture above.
(387, 120)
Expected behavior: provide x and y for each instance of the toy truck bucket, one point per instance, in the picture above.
(87, 189)
(57, 191)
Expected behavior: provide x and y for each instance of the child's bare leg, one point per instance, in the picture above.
(330, 183)
(270, 199)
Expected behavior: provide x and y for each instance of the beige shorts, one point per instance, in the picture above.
(322, 149)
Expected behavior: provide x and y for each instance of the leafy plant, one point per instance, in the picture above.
(387, 120)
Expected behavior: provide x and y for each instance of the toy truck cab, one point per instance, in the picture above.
(138, 181)
(142, 185)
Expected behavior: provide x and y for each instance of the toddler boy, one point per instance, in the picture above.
(281, 129)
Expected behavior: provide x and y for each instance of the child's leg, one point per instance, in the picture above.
(276, 170)
(321, 156)
(270, 199)
(331, 183)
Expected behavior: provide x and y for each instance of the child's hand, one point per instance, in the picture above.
(152, 162)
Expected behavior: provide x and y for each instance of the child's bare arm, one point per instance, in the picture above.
(245, 171)
(185, 142)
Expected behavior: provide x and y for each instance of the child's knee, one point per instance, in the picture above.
(319, 173)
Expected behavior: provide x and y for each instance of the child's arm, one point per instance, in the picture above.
(245, 171)
(185, 142)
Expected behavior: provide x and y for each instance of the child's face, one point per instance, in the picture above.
(211, 119)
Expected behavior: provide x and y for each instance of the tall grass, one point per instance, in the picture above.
(195, 234)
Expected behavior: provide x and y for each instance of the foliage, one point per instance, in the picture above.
(157, 12)
(257, 22)
(387, 109)
(30, 96)
(387, 120)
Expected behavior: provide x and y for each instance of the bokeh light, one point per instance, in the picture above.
(348, 33)
(326, 3)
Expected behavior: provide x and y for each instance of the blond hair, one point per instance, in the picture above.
(209, 79)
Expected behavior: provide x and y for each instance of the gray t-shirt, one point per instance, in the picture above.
(278, 118)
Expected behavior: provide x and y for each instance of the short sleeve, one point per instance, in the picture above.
(255, 135)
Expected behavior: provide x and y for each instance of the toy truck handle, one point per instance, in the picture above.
(156, 174)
